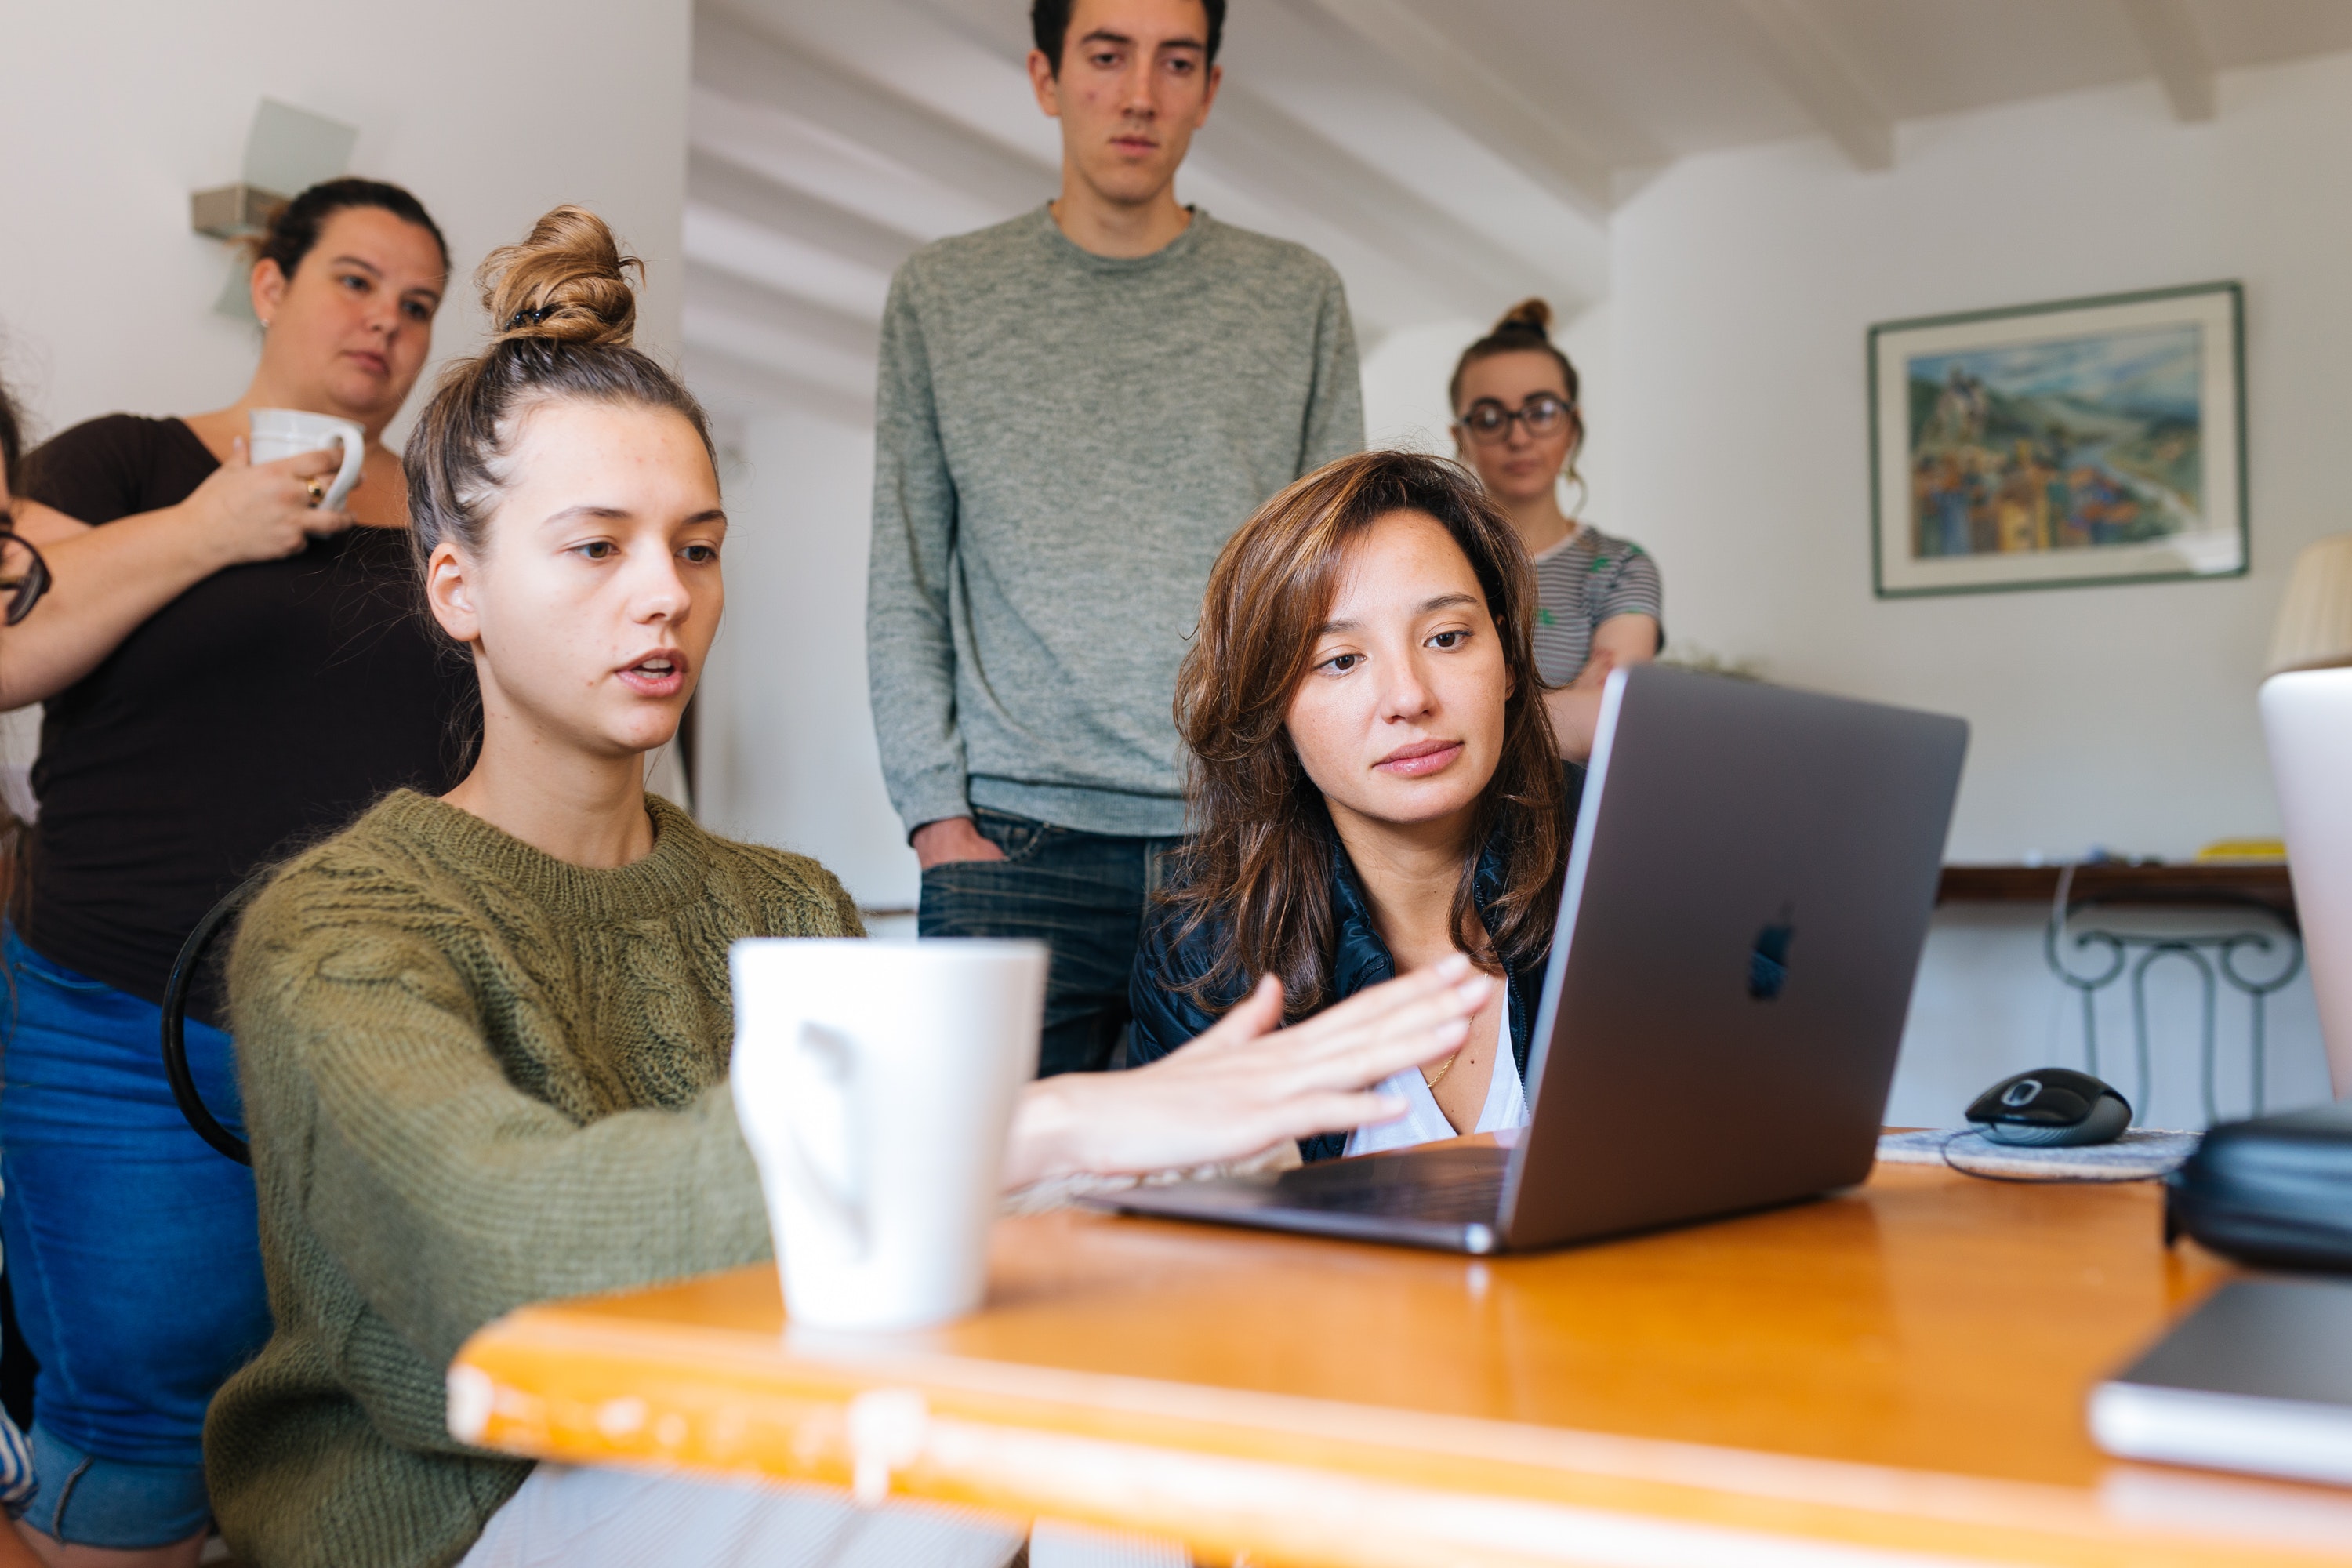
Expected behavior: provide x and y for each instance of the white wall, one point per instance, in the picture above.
(1987, 1005)
(1734, 442)
(491, 110)
(1405, 374)
(1405, 406)
(1745, 283)
(787, 752)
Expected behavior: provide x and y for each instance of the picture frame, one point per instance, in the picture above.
(2069, 444)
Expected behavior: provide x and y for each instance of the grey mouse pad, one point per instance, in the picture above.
(2141, 1153)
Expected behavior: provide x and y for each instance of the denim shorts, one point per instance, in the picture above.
(133, 1254)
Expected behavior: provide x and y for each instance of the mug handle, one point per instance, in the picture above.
(355, 446)
(835, 1058)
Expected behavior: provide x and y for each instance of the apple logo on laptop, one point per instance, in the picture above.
(1768, 962)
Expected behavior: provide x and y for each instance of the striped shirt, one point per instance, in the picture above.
(1581, 582)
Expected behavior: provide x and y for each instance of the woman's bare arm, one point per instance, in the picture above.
(46, 526)
(105, 582)
(1247, 1085)
(1575, 708)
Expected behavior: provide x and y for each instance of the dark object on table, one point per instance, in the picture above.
(2257, 953)
(2051, 1107)
(2255, 1379)
(2276, 1191)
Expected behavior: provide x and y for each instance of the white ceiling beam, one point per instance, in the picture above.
(744, 63)
(794, 151)
(1288, 164)
(1799, 53)
(2169, 33)
(751, 194)
(741, 338)
(740, 387)
(1260, 148)
(746, 299)
(1459, 86)
(783, 261)
(753, 323)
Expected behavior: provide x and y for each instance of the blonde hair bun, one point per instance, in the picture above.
(567, 283)
(1527, 316)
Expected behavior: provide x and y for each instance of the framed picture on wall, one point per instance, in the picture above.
(2078, 442)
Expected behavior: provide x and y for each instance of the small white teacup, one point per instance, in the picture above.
(875, 1083)
(291, 432)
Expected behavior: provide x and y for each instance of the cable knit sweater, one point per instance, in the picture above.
(475, 1076)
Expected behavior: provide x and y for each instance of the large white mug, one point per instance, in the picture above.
(291, 432)
(875, 1082)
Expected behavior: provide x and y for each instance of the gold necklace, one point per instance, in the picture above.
(1444, 1068)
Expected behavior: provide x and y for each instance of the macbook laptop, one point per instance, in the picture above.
(1747, 896)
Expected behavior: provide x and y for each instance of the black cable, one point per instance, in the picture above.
(175, 1012)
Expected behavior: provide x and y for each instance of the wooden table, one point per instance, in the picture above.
(1895, 1375)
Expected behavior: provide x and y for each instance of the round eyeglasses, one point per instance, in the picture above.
(1488, 422)
(24, 576)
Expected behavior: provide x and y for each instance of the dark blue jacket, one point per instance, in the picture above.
(1166, 1017)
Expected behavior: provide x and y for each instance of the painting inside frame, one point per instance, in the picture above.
(2087, 441)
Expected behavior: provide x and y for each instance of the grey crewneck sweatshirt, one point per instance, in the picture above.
(1063, 442)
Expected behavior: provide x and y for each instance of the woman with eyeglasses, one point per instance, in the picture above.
(20, 583)
(24, 582)
(24, 574)
(1516, 424)
(229, 672)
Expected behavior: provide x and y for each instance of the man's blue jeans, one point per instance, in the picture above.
(133, 1254)
(1084, 895)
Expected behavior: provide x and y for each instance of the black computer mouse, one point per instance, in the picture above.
(2049, 1107)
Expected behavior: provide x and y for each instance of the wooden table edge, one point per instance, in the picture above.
(1284, 1477)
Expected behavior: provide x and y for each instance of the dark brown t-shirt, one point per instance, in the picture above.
(264, 709)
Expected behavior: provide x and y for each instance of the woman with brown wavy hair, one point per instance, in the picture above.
(1374, 782)
(484, 1037)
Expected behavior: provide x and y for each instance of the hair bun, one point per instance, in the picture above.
(567, 283)
(1531, 316)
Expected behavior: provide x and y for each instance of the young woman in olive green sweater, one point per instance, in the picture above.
(483, 1038)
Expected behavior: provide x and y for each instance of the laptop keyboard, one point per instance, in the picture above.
(1447, 1189)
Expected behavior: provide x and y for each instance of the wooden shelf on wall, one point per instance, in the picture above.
(2116, 882)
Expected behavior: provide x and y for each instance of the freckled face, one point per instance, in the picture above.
(1399, 720)
(599, 590)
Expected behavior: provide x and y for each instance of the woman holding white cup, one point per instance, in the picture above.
(486, 1037)
(230, 668)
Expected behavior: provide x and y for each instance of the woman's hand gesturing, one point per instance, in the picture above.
(1247, 1084)
(249, 511)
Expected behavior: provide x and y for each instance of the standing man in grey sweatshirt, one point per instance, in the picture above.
(1076, 410)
